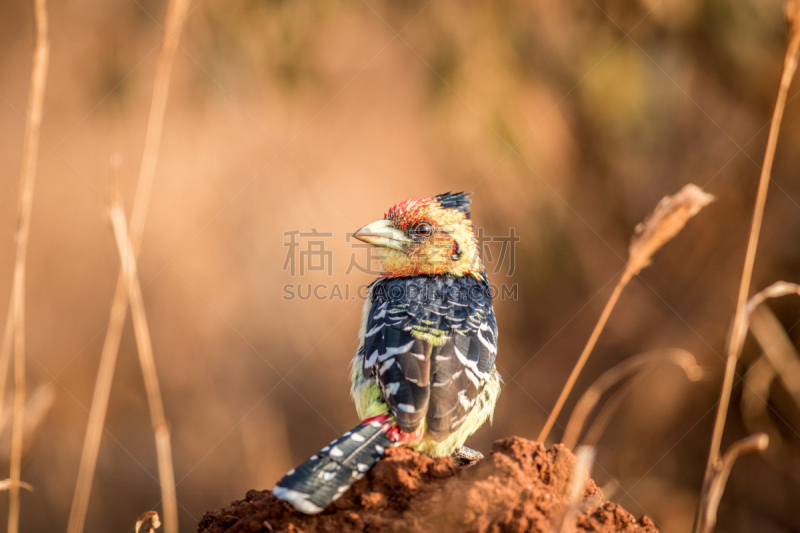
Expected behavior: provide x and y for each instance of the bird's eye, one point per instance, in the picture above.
(423, 229)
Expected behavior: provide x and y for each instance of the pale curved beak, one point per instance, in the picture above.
(382, 233)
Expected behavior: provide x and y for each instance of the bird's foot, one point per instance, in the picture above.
(466, 456)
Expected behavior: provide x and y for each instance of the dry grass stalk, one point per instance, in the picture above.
(6, 484)
(145, 348)
(97, 413)
(669, 217)
(148, 522)
(30, 155)
(736, 341)
(634, 365)
(778, 289)
(176, 13)
(780, 360)
(756, 417)
(580, 475)
(753, 443)
(5, 351)
(782, 355)
(611, 405)
(36, 411)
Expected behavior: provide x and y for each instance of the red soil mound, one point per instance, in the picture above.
(519, 487)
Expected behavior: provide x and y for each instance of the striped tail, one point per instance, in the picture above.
(322, 479)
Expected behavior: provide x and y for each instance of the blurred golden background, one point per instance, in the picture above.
(568, 120)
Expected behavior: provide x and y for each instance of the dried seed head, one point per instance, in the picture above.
(668, 218)
(148, 522)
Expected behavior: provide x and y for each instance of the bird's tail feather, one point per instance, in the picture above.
(322, 479)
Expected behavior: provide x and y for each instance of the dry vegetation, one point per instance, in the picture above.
(567, 122)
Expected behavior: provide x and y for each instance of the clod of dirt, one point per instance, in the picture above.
(519, 487)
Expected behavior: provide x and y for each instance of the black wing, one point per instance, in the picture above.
(461, 367)
(398, 361)
(430, 343)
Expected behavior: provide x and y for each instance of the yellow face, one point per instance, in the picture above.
(420, 237)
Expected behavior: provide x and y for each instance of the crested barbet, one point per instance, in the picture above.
(424, 375)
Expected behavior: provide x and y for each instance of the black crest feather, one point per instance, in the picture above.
(455, 200)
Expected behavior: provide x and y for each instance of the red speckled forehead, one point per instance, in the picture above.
(409, 212)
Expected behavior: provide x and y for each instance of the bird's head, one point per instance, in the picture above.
(426, 236)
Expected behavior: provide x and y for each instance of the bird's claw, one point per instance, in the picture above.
(466, 456)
